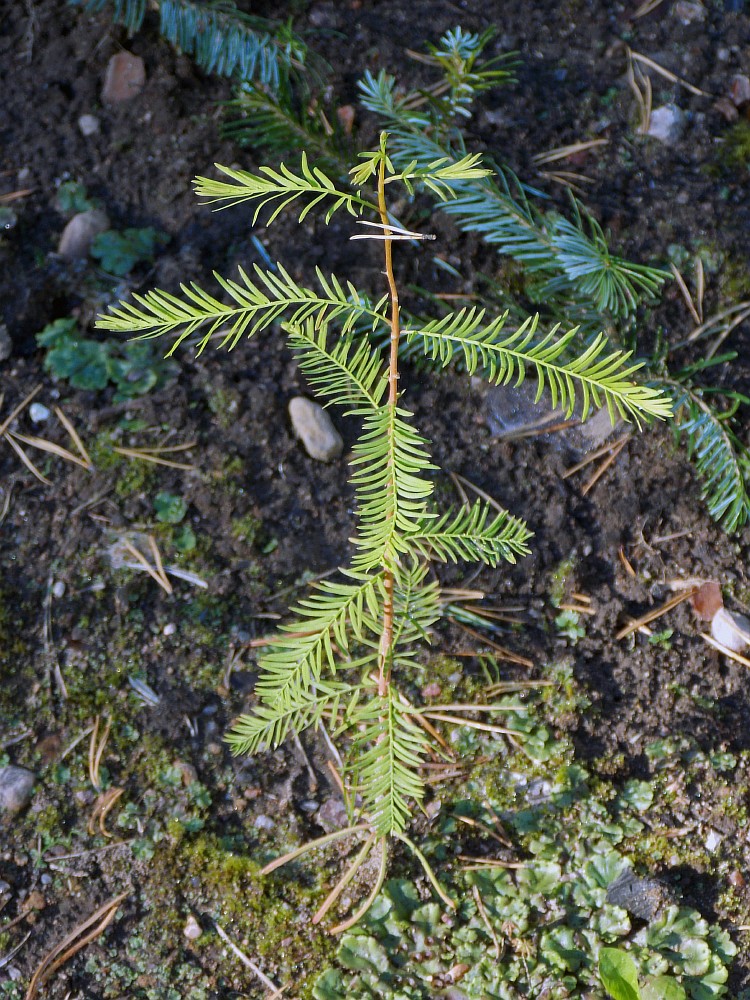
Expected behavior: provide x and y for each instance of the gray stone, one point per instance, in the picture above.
(6, 344)
(80, 233)
(332, 815)
(89, 125)
(125, 78)
(512, 413)
(16, 786)
(314, 428)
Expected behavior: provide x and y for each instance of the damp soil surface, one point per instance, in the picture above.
(116, 693)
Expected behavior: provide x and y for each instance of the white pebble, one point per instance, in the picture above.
(58, 588)
(38, 413)
(192, 929)
(88, 124)
(712, 840)
(731, 630)
(666, 124)
(170, 628)
(263, 823)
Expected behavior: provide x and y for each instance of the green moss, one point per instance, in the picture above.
(273, 912)
(734, 153)
(246, 528)
(561, 580)
(224, 404)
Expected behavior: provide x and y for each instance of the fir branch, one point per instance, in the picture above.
(720, 459)
(221, 38)
(589, 380)
(270, 121)
(390, 460)
(416, 608)
(333, 614)
(571, 262)
(474, 534)
(256, 305)
(269, 726)
(388, 756)
(350, 372)
(281, 186)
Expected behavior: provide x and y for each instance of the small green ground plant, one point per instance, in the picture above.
(86, 363)
(341, 663)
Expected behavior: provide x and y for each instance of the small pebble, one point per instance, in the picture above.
(6, 344)
(740, 90)
(38, 413)
(345, 115)
(315, 429)
(88, 124)
(124, 79)
(688, 11)
(263, 823)
(332, 815)
(13, 973)
(58, 588)
(309, 805)
(713, 840)
(707, 600)
(667, 123)
(192, 929)
(80, 232)
(46, 879)
(16, 786)
(170, 628)
(731, 630)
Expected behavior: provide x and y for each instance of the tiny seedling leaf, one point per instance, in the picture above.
(170, 509)
(619, 975)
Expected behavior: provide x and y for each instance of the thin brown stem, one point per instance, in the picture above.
(386, 639)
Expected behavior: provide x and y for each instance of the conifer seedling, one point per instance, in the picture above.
(339, 662)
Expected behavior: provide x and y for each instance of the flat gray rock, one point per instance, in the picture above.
(16, 786)
(314, 428)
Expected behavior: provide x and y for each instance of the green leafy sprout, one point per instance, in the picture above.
(90, 364)
(338, 664)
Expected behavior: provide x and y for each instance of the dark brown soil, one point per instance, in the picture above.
(264, 513)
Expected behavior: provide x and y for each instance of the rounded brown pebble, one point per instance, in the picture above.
(125, 77)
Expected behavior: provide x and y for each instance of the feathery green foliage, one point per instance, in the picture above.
(219, 37)
(720, 459)
(339, 662)
(570, 273)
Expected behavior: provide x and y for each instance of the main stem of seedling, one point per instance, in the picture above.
(386, 639)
